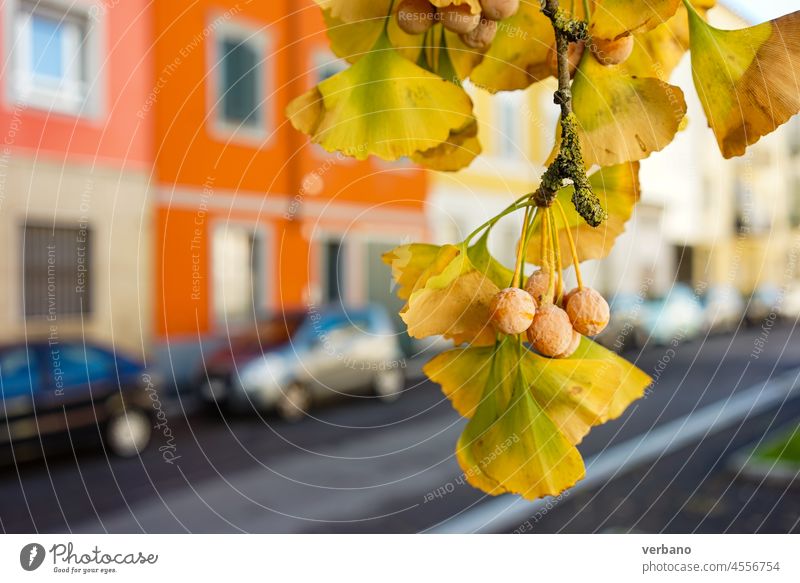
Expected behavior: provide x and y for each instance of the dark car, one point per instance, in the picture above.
(50, 388)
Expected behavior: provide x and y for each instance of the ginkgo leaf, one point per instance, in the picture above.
(511, 445)
(409, 263)
(455, 153)
(463, 57)
(518, 56)
(484, 262)
(462, 374)
(383, 105)
(612, 19)
(623, 118)
(462, 145)
(452, 302)
(617, 187)
(748, 80)
(589, 388)
(352, 39)
(657, 52)
(355, 10)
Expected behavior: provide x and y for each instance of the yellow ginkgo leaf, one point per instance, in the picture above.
(612, 19)
(464, 58)
(352, 39)
(474, 5)
(355, 10)
(518, 56)
(623, 118)
(409, 263)
(657, 52)
(511, 445)
(453, 302)
(384, 105)
(457, 152)
(748, 80)
(617, 187)
(589, 388)
(462, 374)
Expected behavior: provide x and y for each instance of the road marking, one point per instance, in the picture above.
(499, 514)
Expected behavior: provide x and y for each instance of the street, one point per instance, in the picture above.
(367, 466)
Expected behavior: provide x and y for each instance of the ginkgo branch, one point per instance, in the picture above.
(568, 164)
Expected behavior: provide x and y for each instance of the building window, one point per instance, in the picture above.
(509, 130)
(55, 272)
(238, 266)
(794, 202)
(52, 56)
(326, 65)
(333, 258)
(239, 62)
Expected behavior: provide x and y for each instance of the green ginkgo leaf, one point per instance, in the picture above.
(384, 105)
(510, 444)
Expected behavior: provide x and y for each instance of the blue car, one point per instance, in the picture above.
(294, 360)
(50, 388)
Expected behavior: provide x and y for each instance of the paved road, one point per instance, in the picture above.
(362, 466)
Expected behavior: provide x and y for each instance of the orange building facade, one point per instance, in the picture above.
(251, 219)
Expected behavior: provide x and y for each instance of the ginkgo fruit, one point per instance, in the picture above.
(513, 310)
(416, 16)
(458, 18)
(538, 285)
(573, 346)
(612, 52)
(567, 296)
(499, 9)
(588, 311)
(481, 37)
(551, 331)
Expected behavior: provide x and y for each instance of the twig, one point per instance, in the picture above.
(568, 164)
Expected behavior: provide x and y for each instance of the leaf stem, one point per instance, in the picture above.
(573, 249)
(520, 249)
(521, 203)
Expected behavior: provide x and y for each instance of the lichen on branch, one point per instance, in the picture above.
(569, 163)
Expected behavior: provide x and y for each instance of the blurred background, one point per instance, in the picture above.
(197, 332)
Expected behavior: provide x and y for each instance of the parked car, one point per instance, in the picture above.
(763, 302)
(790, 302)
(50, 388)
(676, 317)
(724, 308)
(296, 360)
(621, 330)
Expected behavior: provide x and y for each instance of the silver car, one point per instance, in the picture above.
(295, 360)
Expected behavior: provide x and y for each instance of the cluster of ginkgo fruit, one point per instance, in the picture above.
(476, 29)
(554, 328)
(553, 321)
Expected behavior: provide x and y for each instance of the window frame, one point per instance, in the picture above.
(88, 306)
(224, 27)
(21, 88)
